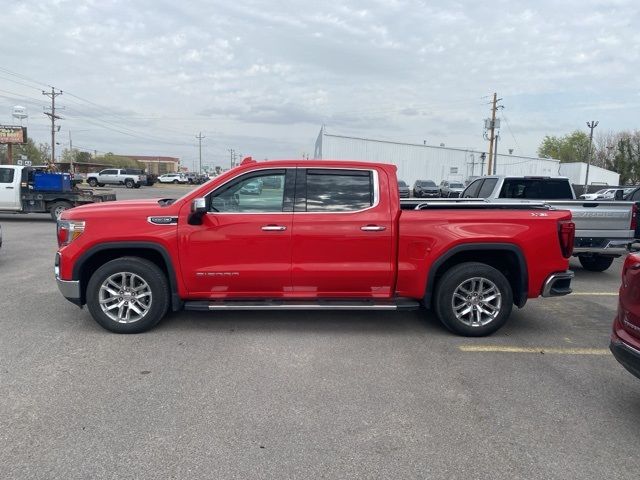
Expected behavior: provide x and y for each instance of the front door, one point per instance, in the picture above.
(9, 189)
(342, 235)
(243, 247)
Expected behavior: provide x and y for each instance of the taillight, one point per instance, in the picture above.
(634, 217)
(566, 233)
(68, 231)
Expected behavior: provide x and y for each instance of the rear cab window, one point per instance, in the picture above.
(536, 188)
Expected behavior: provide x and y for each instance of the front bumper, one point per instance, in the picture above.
(558, 284)
(626, 355)
(70, 289)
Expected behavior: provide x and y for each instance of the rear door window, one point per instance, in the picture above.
(337, 190)
(536, 188)
(6, 175)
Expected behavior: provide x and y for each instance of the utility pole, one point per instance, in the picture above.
(53, 94)
(71, 158)
(495, 154)
(232, 153)
(592, 124)
(491, 125)
(200, 137)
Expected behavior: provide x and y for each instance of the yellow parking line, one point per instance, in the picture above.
(599, 294)
(510, 349)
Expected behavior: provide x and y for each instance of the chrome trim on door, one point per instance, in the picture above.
(273, 228)
(372, 228)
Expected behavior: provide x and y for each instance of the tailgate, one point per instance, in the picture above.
(600, 219)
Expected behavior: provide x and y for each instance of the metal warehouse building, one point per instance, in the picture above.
(427, 162)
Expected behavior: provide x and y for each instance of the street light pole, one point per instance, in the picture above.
(592, 124)
(200, 137)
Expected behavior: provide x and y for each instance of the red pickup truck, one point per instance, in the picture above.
(310, 235)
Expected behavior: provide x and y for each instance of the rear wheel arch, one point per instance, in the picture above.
(97, 256)
(508, 258)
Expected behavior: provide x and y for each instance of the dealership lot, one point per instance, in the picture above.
(306, 395)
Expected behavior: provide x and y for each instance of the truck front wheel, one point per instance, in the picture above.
(128, 295)
(595, 263)
(92, 182)
(56, 209)
(473, 299)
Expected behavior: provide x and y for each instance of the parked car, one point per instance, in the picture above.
(152, 178)
(604, 194)
(450, 189)
(625, 338)
(425, 189)
(129, 177)
(252, 188)
(331, 236)
(632, 194)
(173, 178)
(604, 229)
(403, 189)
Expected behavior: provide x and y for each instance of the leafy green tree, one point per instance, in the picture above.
(29, 149)
(118, 161)
(572, 147)
(626, 160)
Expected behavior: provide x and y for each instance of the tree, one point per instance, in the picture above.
(573, 147)
(119, 161)
(626, 160)
(29, 149)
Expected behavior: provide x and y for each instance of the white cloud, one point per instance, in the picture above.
(248, 71)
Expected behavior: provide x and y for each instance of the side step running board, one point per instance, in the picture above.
(338, 304)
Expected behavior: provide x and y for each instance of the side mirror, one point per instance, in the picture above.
(198, 210)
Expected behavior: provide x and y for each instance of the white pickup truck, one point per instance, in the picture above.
(22, 192)
(129, 177)
(604, 229)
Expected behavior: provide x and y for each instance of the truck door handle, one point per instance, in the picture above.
(372, 228)
(274, 228)
(9, 188)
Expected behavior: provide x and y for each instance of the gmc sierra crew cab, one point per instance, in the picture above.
(320, 235)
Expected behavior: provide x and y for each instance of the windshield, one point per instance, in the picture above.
(456, 185)
(426, 183)
(401, 183)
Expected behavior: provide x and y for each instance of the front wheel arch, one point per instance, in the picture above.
(93, 258)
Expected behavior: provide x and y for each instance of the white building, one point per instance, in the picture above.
(577, 173)
(428, 162)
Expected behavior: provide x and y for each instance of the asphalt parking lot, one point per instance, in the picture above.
(306, 394)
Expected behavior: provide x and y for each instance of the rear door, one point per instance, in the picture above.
(342, 234)
(108, 176)
(9, 189)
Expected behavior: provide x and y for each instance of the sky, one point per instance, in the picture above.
(145, 77)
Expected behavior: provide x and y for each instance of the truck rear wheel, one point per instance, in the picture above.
(56, 209)
(595, 263)
(473, 299)
(92, 182)
(128, 295)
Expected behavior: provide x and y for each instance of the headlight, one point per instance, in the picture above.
(68, 231)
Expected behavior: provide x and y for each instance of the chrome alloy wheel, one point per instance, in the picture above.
(476, 302)
(125, 297)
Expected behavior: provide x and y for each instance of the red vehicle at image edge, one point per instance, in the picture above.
(625, 338)
(319, 235)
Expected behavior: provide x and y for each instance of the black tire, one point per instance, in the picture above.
(175, 182)
(101, 184)
(129, 183)
(92, 182)
(56, 209)
(150, 273)
(595, 263)
(137, 185)
(455, 278)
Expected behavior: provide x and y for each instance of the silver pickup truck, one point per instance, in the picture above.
(604, 229)
(129, 177)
